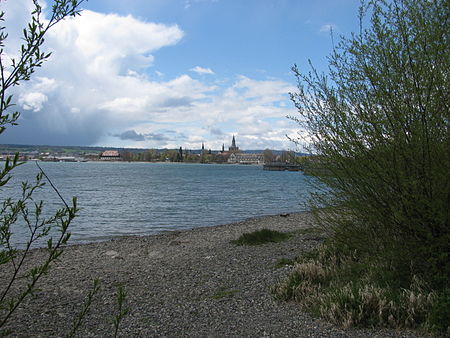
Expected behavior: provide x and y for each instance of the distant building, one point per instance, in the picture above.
(110, 155)
(243, 158)
(233, 148)
(234, 155)
(204, 151)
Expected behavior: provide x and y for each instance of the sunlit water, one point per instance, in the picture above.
(147, 198)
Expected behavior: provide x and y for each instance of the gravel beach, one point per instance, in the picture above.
(191, 283)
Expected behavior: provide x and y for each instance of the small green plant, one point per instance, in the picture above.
(122, 311)
(262, 236)
(85, 308)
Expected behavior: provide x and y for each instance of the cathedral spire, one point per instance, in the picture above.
(233, 147)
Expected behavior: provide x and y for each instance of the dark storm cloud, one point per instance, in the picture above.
(57, 122)
(43, 130)
(130, 135)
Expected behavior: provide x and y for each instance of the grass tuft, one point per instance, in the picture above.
(343, 290)
(262, 236)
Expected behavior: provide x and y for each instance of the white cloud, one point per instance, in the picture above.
(45, 84)
(96, 85)
(111, 43)
(32, 101)
(201, 70)
(266, 91)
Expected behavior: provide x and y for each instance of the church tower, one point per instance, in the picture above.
(233, 147)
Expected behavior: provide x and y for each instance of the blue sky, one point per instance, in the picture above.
(170, 73)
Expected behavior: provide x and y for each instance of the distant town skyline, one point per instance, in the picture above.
(171, 73)
(225, 147)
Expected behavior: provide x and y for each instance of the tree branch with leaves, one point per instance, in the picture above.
(26, 211)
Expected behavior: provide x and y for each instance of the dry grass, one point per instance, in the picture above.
(324, 286)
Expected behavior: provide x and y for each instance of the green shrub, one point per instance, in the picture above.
(261, 237)
(378, 128)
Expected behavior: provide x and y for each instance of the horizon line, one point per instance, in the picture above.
(115, 148)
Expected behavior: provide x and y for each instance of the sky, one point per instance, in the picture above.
(171, 73)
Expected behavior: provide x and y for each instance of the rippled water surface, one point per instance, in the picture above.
(146, 198)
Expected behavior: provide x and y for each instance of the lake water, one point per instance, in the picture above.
(147, 198)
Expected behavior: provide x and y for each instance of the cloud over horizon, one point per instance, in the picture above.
(97, 89)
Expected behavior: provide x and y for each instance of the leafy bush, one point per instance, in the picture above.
(261, 237)
(378, 125)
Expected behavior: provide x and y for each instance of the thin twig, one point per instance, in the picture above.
(54, 188)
